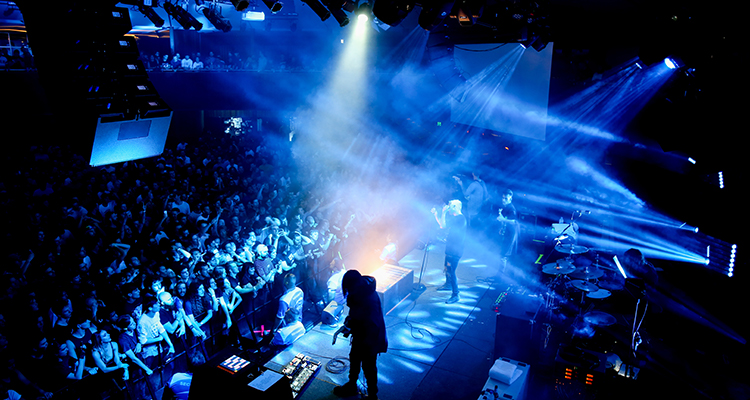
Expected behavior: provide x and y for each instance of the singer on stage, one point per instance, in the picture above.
(455, 222)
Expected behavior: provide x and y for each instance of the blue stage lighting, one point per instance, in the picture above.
(254, 16)
(363, 12)
(673, 63)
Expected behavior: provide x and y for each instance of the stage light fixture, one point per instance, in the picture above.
(433, 14)
(673, 63)
(273, 5)
(240, 5)
(318, 8)
(540, 44)
(213, 14)
(152, 16)
(335, 6)
(528, 42)
(392, 12)
(254, 15)
(182, 16)
(340, 16)
(363, 12)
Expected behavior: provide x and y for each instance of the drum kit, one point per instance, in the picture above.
(593, 280)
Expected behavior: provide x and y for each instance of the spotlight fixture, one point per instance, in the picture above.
(392, 12)
(318, 8)
(340, 16)
(363, 12)
(673, 63)
(182, 16)
(535, 42)
(240, 5)
(152, 16)
(254, 15)
(540, 44)
(335, 6)
(273, 5)
(213, 14)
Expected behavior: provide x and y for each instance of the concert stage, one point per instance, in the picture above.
(446, 351)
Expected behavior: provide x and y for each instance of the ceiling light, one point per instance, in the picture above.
(320, 10)
(182, 16)
(152, 16)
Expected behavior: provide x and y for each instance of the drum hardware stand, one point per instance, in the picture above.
(636, 340)
(563, 236)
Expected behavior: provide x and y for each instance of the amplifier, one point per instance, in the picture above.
(579, 373)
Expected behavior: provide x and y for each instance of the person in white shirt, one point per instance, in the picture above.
(288, 327)
(197, 64)
(151, 333)
(335, 291)
(187, 63)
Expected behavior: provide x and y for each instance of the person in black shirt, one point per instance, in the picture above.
(455, 222)
(366, 325)
(509, 230)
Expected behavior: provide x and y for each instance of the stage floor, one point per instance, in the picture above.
(445, 351)
(436, 350)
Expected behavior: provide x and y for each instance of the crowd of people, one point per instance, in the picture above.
(112, 273)
(16, 58)
(230, 61)
(22, 58)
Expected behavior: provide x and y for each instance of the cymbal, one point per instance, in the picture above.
(599, 294)
(599, 318)
(571, 249)
(587, 273)
(560, 267)
(584, 285)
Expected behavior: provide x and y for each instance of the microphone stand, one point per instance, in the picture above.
(419, 287)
